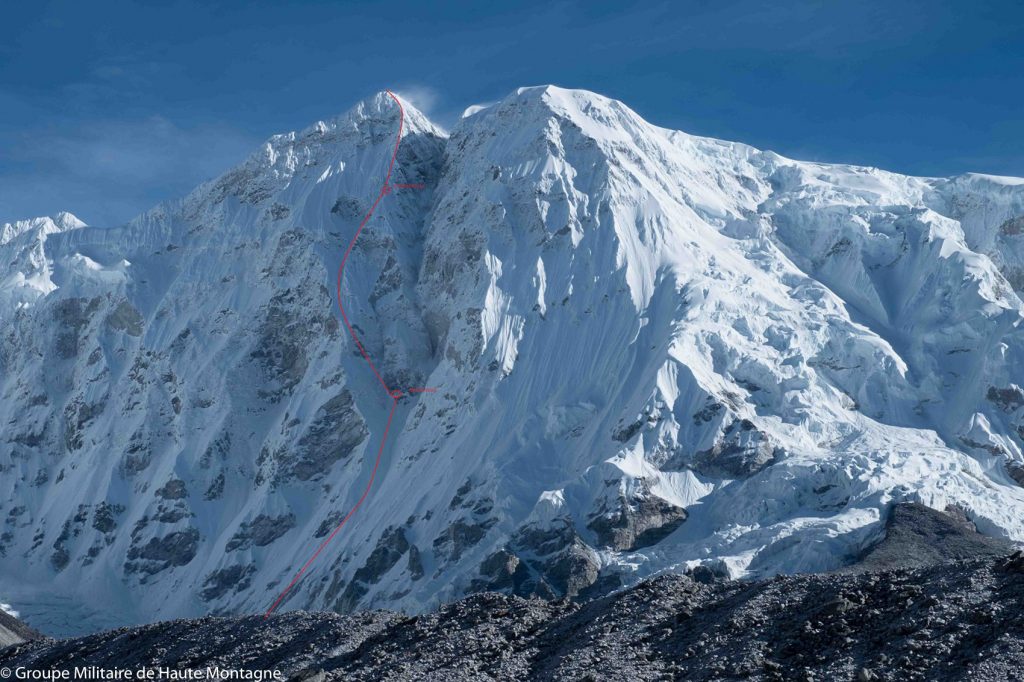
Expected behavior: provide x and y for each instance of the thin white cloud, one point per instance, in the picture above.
(475, 108)
(423, 97)
(107, 172)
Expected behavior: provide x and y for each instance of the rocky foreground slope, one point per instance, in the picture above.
(652, 351)
(948, 622)
(923, 617)
(13, 631)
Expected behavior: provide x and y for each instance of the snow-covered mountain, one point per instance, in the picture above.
(651, 350)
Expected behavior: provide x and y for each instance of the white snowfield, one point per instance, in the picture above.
(652, 350)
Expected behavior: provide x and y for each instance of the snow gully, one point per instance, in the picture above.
(395, 394)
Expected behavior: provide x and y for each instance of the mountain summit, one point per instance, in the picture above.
(651, 350)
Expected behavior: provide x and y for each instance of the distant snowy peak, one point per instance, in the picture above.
(27, 273)
(46, 224)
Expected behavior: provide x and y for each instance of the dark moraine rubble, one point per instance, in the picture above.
(930, 619)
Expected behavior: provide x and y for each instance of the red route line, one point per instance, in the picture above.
(394, 394)
(369, 484)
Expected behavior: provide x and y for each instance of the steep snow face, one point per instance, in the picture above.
(664, 323)
(178, 405)
(651, 350)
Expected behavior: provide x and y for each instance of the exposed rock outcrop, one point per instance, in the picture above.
(636, 521)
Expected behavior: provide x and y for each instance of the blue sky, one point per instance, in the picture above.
(107, 108)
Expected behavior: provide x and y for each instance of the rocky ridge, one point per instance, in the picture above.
(944, 622)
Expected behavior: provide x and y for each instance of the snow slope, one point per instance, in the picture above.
(651, 350)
